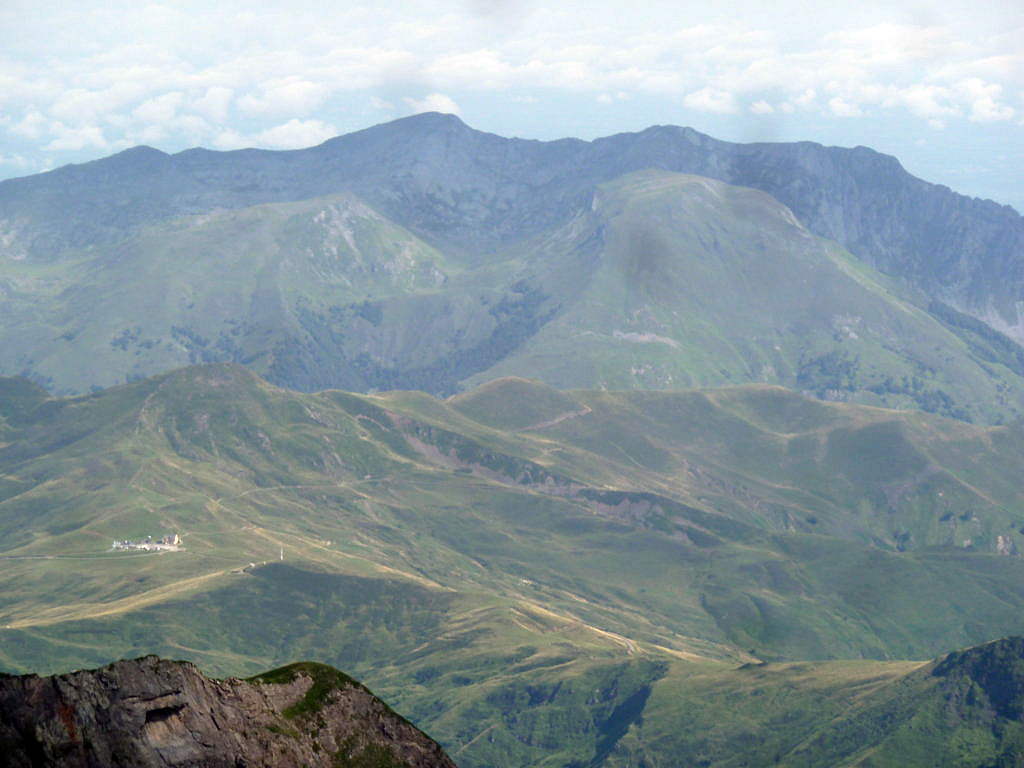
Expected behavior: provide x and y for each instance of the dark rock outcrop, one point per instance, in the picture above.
(153, 712)
(989, 678)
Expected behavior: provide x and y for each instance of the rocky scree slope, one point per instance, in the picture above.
(153, 712)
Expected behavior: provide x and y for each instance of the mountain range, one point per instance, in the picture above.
(422, 254)
(628, 452)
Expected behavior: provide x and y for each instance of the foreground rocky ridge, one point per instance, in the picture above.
(963, 709)
(154, 712)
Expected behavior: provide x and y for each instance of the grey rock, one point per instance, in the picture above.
(156, 713)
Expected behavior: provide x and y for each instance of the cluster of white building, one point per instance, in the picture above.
(163, 544)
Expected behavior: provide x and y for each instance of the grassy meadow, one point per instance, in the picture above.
(535, 577)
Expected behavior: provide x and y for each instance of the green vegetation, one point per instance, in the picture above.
(985, 342)
(668, 280)
(687, 285)
(325, 681)
(515, 404)
(352, 755)
(531, 585)
(611, 576)
(945, 713)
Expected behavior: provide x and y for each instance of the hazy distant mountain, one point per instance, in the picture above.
(424, 254)
(439, 177)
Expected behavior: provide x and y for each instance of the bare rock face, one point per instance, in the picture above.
(153, 712)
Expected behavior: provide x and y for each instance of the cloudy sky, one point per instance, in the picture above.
(939, 84)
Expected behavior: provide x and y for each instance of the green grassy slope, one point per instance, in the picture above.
(961, 710)
(521, 579)
(666, 280)
(684, 281)
(311, 293)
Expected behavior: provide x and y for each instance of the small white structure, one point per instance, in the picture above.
(164, 544)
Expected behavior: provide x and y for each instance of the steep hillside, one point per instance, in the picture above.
(487, 563)
(678, 281)
(960, 710)
(151, 712)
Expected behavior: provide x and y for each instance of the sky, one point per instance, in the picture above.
(940, 85)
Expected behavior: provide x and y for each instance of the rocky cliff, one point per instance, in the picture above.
(153, 712)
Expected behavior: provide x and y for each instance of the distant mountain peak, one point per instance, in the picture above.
(141, 150)
(434, 118)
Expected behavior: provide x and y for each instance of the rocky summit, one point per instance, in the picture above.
(154, 712)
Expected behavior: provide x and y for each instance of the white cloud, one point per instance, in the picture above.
(86, 105)
(232, 139)
(214, 104)
(31, 126)
(295, 134)
(983, 99)
(604, 98)
(484, 68)
(840, 107)
(161, 109)
(761, 107)
(711, 100)
(78, 137)
(433, 102)
(17, 161)
(285, 96)
(192, 125)
(805, 98)
(988, 110)
(151, 134)
(889, 44)
(1005, 66)
(930, 101)
(24, 86)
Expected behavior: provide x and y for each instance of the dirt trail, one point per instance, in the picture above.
(134, 602)
(557, 420)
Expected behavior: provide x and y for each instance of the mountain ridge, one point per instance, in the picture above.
(942, 242)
